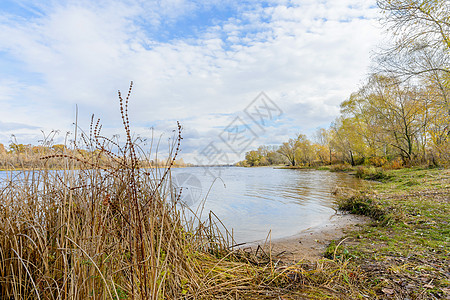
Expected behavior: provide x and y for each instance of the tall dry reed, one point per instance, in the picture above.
(109, 229)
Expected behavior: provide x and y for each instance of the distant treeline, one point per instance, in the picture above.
(57, 156)
(387, 121)
(401, 114)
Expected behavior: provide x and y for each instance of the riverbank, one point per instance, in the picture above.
(405, 250)
(312, 243)
(401, 252)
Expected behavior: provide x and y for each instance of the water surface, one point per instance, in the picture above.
(254, 201)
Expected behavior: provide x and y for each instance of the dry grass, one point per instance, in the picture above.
(112, 230)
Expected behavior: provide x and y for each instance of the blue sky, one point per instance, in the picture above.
(198, 62)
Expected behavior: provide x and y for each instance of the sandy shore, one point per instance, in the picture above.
(310, 244)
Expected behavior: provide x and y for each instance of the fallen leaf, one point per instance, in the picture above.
(388, 291)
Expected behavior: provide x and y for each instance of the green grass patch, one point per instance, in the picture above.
(405, 250)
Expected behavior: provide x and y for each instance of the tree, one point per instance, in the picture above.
(17, 148)
(304, 152)
(322, 153)
(179, 163)
(388, 112)
(425, 21)
(59, 148)
(263, 156)
(359, 107)
(346, 140)
(438, 128)
(288, 150)
(253, 158)
(264, 152)
(275, 158)
(421, 52)
(297, 151)
(322, 138)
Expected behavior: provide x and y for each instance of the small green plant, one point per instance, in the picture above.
(121, 294)
(334, 252)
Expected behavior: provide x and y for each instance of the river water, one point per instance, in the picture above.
(253, 201)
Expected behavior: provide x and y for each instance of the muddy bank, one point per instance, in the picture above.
(311, 243)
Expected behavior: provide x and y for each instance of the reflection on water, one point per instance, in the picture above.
(253, 201)
(256, 200)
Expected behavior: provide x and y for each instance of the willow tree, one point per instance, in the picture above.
(360, 107)
(438, 128)
(421, 48)
(400, 113)
(304, 152)
(298, 151)
(346, 140)
(288, 149)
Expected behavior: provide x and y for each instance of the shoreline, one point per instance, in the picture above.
(310, 244)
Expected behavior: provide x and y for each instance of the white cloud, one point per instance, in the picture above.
(307, 56)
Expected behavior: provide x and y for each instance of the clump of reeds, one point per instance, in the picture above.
(109, 229)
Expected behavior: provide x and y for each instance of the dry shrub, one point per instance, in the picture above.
(395, 164)
(377, 161)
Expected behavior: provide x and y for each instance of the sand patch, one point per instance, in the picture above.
(310, 244)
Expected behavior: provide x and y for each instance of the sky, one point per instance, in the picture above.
(202, 63)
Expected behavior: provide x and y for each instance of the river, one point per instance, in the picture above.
(254, 201)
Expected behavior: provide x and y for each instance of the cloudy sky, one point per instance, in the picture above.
(198, 62)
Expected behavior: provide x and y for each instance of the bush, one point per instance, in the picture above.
(341, 168)
(377, 161)
(395, 164)
(372, 173)
(324, 168)
(364, 205)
